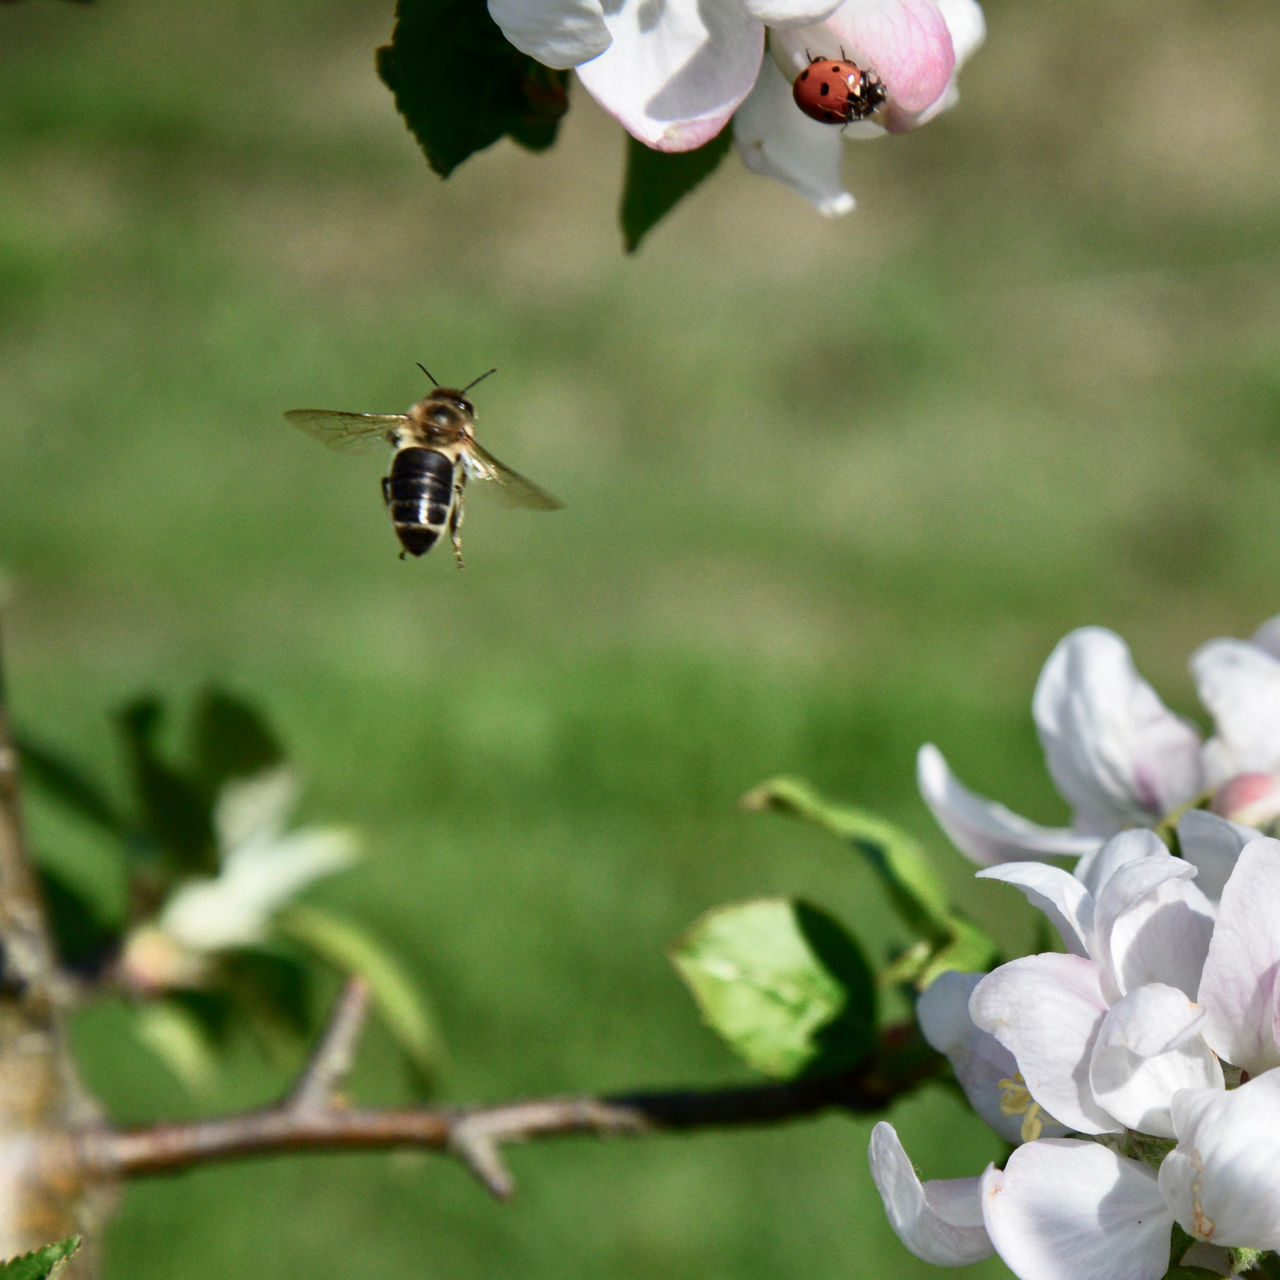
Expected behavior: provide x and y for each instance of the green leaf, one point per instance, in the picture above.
(230, 740)
(350, 950)
(173, 810)
(914, 891)
(460, 86)
(657, 181)
(68, 783)
(39, 1263)
(782, 983)
(273, 985)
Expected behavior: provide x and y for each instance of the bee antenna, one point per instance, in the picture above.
(428, 372)
(473, 381)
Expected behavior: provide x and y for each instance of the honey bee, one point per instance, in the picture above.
(435, 454)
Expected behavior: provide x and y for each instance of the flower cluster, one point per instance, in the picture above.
(674, 74)
(1153, 1040)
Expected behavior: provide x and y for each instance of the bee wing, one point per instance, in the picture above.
(513, 486)
(348, 432)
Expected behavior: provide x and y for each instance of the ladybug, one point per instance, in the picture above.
(835, 90)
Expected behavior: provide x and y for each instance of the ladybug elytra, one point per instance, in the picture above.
(835, 91)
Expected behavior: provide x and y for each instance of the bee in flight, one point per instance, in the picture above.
(435, 454)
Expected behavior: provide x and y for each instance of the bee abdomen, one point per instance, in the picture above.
(419, 493)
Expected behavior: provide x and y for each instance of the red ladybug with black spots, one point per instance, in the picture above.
(835, 90)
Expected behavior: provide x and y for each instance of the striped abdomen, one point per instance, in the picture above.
(420, 493)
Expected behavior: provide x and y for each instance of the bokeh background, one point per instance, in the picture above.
(832, 490)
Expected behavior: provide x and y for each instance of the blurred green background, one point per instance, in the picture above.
(833, 490)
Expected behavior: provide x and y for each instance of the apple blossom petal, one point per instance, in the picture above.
(1117, 754)
(980, 1061)
(779, 13)
(675, 73)
(968, 27)
(1096, 868)
(1057, 893)
(1241, 981)
(1152, 924)
(1047, 1011)
(1239, 683)
(1222, 1181)
(939, 1221)
(984, 830)
(1146, 1051)
(906, 42)
(558, 33)
(777, 140)
(1070, 1210)
(1211, 844)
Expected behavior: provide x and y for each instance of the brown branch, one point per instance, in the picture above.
(475, 1135)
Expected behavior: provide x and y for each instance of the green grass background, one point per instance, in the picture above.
(833, 489)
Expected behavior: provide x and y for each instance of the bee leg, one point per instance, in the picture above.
(386, 490)
(455, 523)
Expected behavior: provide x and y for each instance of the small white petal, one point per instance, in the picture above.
(1211, 844)
(1047, 1011)
(1240, 685)
(1117, 753)
(1152, 924)
(254, 808)
(1146, 1051)
(980, 1061)
(1096, 868)
(1072, 1210)
(984, 830)
(558, 33)
(675, 73)
(939, 1221)
(779, 13)
(1222, 1181)
(1057, 893)
(1241, 982)
(776, 139)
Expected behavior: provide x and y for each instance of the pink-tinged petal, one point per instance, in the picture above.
(1222, 1181)
(1147, 1050)
(1057, 893)
(1047, 1011)
(1242, 971)
(675, 73)
(1240, 685)
(981, 1063)
(1096, 868)
(1069, 1210)
(777, 140)
(1212, 845)
(982, 829)
(939, 1221)
(1118, 755)
(1249, 798)
(967, 25)
(905, 41)
(1152, 924)
(558, 33)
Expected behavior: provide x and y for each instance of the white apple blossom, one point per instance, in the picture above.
(674, 73)
(262, 868)
(1120, 757)
(1124, 1038)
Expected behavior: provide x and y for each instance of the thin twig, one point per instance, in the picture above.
(334, 1054)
